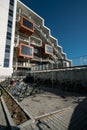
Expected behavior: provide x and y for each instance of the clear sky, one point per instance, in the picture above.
(67, 20)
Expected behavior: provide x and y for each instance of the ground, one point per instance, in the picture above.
(47, 102)
(53, 109)
(56, 110)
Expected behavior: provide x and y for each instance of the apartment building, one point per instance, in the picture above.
(25, 41)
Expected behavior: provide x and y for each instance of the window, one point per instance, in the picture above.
(9, 23)
(7, 55)
(12, 2)
(8, 42)
(11, 12)
(6, 62)
(8, 36)
(9, 29)
(48, 49)
(7, 46)
(7, 50)
(26, 50)
(28, 24)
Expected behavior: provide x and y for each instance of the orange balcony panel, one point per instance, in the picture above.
(26, 26)
(25, 51)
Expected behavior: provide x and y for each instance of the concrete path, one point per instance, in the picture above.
(73, 118)
(59, 121)
(46, 102)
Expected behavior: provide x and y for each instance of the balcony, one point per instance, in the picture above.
(47, 60)
(21, 64)
(26, 26)
(48, 50)
(36, 58)
(36, 41)
(25, 51)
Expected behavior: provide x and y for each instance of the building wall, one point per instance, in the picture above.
(38, 39)
(4, 6)
(10, 13)
(7, 28)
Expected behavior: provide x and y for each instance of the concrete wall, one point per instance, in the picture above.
(70, 74)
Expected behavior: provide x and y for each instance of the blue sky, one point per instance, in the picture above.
(67, 20)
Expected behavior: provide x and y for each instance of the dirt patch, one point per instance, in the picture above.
(17, 114)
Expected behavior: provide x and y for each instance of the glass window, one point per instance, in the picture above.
(7, 55)
(7, 50)
(10, 18)
(8, 42)
(49, 49)
(12, 2)
(9, 29)
(8, 46)
(8, 36)
(26, 50)
(28, 24)
(9, 23)
(11, 7)
(11, 12)
(6, 62)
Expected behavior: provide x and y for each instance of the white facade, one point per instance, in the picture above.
(3, 28)
(6, 44)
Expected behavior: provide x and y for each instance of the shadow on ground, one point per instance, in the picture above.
(79, 117)
(2, 127)
(61, 93)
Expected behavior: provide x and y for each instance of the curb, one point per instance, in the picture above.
(8, 116)
(10, 121)
(51, 113)
(30, 116)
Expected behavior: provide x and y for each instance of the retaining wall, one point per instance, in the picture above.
(70, 74)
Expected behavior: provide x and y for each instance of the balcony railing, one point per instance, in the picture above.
(36, 41)
(47, 67)
(36, 58)
(19, 64)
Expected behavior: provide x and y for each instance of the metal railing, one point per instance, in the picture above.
(47, 67)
